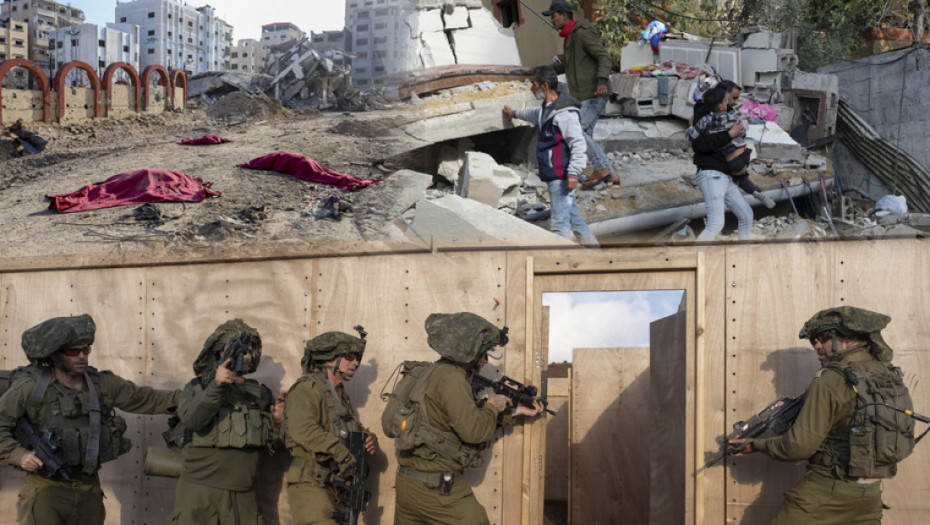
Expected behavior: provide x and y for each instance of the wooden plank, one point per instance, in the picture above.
(557, 449)
(614, 261)
(668, 424)
(532, 338)
(515, 315)
(610, 405)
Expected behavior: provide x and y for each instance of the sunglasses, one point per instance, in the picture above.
(75, 351)
(821, 338)
(352, 356)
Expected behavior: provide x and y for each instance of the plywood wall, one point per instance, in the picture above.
(748, 304)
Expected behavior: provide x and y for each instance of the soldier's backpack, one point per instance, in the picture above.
(881, 433)
(405, 410)
(9, 377)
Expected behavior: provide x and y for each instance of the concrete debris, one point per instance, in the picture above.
(405, 188)
(454, 221)
(301, 76)
(207, 87)
(16, 141)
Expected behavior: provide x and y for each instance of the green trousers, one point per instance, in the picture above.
(419, 503)
(44, 501)
(312, 504)
(196, 504)
(821, 500)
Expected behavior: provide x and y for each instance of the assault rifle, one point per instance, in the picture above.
(46, 445)
(519, 393)
(236, 350)
(778, 416)
(353, 494)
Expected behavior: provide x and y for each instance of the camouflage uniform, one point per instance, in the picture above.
(46, 498)
(317, 419)
(826, 494)
(230, 424)
(451, 407)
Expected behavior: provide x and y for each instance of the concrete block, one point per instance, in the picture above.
(470, 4)
(427, 21)
(724, 57)
(436, 49)
(450, 163)
(428, 4)
(615, 134)
(772, 142)
(634, 55)
(763, 40)
(406, 187)
(485, 181)
(457, 19)
(465, 120)
(454, 221)
(644, 108)
(486, 42)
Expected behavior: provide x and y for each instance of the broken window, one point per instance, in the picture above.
(102, 43)
(122, 19)
(151, 32)
(507, 12)
(152, 15)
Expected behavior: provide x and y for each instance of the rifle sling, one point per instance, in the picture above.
(93, 439)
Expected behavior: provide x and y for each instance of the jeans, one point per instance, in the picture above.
(565, 218)
(590, 109)
(721, 193)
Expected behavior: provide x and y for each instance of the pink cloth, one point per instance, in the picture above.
(206, 140)
(307, 169)
(134, 187)
(755, 109)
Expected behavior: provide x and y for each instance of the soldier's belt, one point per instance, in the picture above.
(430, 478)
(843, 484)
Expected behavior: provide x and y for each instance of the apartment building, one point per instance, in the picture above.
(279, 33)
(178, 36)
(248, 56)
(376, 39)
(95, 45)
(14, 39)
(42, 17)
(331, 44)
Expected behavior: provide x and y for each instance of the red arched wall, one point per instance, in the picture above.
(179, 77)
(146, 75)
(108, 83)
(59, 83)
(40, 77)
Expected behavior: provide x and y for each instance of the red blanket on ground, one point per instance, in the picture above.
(134, 187)
(206, 140)
(307, 169)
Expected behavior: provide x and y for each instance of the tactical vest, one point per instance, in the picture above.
(342, 420)
(240, 421)
(878, 437)
(406, 420)
(90, 431)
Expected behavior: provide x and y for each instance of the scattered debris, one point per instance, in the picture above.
(17, 142)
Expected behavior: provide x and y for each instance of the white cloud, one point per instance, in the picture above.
(604, 319)
(247, 16)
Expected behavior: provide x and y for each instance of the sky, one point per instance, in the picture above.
(246, 16)
(604, 319)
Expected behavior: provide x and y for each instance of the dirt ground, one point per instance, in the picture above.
(256, 208)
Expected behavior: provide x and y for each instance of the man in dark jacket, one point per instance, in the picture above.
(587, 73)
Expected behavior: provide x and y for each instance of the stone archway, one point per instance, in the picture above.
(41, 79)
(179, 77)
(166, 81)
(59, 85)
(133, 76)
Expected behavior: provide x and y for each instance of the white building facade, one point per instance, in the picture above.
(97, 46)
(177, 36)
(374, 28)
(279, 33)
(42, 17)
(248, 56)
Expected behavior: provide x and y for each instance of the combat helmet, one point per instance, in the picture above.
(849, 320)
(330, 345)
(215, 345)
(463, 336)
(57, 333)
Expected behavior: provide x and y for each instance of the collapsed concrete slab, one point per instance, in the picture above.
(454, 221)
(772, 142)
(617, 134)
(405, 188)
(484, 180)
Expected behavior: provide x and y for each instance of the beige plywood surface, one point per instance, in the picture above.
(668, 409)
(609, 436)
(557, 448)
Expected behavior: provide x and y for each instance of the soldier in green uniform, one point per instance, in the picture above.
(837, 488)
(61, 392)
(429, 484)
(231, 419)
(318, 416)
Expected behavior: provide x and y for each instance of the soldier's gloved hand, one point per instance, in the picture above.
(30, 462)
(347, 469)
